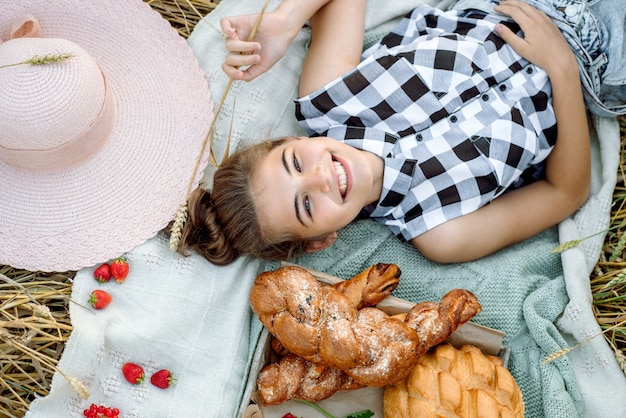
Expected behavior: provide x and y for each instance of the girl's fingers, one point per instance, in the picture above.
(512, 11)
(228, 25)
(542, 42)
(522, 12)
(508, 35)
(233, 72)
(240, 60)
(237, 73)
(242, 47)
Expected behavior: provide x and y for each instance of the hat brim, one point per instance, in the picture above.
(132, 188)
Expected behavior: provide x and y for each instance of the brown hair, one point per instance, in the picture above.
(223, 223)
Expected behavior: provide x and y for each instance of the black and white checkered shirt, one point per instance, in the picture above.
(456, 114)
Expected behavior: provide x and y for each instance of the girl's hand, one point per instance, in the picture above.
(542, 44)
(247, 60)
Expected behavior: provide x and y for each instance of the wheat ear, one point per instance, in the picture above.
(41, 60)
(558, 354)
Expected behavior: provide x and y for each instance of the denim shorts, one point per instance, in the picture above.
(595, 31)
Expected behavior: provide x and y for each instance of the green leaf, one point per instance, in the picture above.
(362, 414)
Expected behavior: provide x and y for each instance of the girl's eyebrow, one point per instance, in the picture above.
(295, 199)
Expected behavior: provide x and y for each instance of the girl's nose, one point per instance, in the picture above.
(317, 179)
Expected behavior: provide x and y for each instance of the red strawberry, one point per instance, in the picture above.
(99, 299)
(103, 273)
(119, 269)
(162, 379)
(133, 373)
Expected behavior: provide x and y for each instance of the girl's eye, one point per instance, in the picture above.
(296, 165)
(307, 206)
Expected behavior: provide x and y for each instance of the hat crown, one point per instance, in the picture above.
(53, 93)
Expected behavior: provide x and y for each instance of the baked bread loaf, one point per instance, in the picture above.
(295, 377)
(450, 382)
(371, 286)
(320, 324)
(367, 288)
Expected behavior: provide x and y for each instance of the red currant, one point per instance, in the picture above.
(101, 411)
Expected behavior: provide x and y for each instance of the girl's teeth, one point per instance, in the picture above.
(343, 179)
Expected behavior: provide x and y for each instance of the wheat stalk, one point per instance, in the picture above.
(19, 343)
(176, 231)
(42, 60)
(619, 247)
(576, 242)
(566, 246)
(562, 352)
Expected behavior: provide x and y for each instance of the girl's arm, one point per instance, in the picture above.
(337, 32)
(523, 213)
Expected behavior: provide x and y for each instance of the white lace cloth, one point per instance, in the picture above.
(178, 313)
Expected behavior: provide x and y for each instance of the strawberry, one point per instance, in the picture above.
(133, 373)
(162, 379)
(103, 273)
(119, 269)
(99, 299)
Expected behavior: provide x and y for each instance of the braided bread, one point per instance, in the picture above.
(323, 326)
(371, 286)
(295, 377)
(367, 288)
(448, 382)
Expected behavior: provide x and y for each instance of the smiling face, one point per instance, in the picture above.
(312, 187)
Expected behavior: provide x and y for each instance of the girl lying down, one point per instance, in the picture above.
(445, 131)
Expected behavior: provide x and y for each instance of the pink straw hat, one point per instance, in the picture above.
(104, 112)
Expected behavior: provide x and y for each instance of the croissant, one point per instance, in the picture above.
(324, 327)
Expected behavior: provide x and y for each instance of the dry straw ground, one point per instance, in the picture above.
(608, 279)
(34, 319)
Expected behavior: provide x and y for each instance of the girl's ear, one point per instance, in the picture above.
(321, 243)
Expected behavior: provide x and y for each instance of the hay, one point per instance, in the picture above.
(608, 279)
(34, 307)
(34, 326)
(183, 14)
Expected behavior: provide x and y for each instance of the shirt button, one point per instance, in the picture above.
(418, 137)
(485, 97)
(502, 87)
(529, 70)
(453, 119)
(571, 10)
